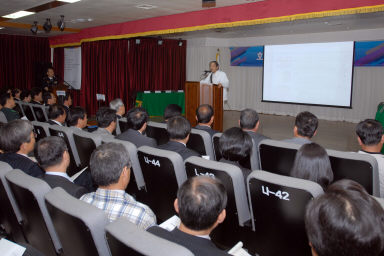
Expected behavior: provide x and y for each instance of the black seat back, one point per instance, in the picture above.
(123, 125)
(28, 112)
(39, 113)
(163, 173)
(85, 146)
(216, 147)
(278, 206)
(41, 130)
(158, 131)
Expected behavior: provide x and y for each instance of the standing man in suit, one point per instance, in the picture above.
(37, 96)
(179, 129)
(250, 123)
(49, 80)
(305, 128)
(200, 203)
(205, 118)
(137, 118)
(52, 155)
(77, 118)
(7, 102)
(218, 77)
(56, 115)
(17, 140)
(118, 106)
(106, 122)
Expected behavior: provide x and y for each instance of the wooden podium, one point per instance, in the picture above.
(59, 87)
(197, 94)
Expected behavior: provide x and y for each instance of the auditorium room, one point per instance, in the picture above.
(191, 128)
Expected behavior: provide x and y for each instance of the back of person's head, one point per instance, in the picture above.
(66, 99)
(107, 163)
(35, 92)
(137, 117)
(178, 128)
(345, 221)
(14, 134)
(105, 116)
(47, 96)
(235, 144)
(200, 201)
(15, 92)
(172, 110)
(116, 104)
(370, 132)
(4, 98)
(204, 113)
(55, 110)
(306, 124)
(312, 163)
(74, 115)
(25, 94)
(50, 151)
(248, 119)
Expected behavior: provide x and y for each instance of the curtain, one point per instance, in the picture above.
(23, 60)
(58, 63)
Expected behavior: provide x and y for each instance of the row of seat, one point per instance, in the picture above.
(56, 223)
(33, 112)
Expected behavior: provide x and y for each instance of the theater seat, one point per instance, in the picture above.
(122, 124)
(158, 131)
(201, 142)
(229, 232)
(124, 238)
(3, 118)
(41, 130)
(79, 225)
(278, 206)
(85, 143)
(215, 144)
(10, 216)
(37, 224)
(278, 157)
(19, 108)
(163, 173)
(40, 112)
(28, 112)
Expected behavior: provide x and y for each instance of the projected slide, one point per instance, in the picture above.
(319, 73)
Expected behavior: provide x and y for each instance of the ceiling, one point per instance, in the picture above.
(91, 13)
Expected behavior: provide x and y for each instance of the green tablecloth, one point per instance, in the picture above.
(380, 117)
(156, 102)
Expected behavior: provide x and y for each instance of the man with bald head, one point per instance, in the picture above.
(205, 118)
(200, 204)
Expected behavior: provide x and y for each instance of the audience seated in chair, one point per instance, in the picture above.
(77, 118)
(250, 123)
(205, 118)
(66, 101)
(16, 94)
(49, 98)
(8, 103)
(25, 96)
(172, 110)
(37, 96)
(371, 139)
(305, 128)
(179, 129)
(345, 221)
(17, 140)
(111, 170)
(106, 121)
(137, 118)
(56, 115)
(312, 163)
(235, 146)
(52, 155)
(200, 203)
(118, 106)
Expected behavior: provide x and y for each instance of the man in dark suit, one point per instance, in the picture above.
(200, 203)
(137, 118)
(8, 103)
(205, 118)
(179, 129)
(77, 118)
(49, 80)
(250, 123)
(37, 96)
(305, 128)
(56, 115)
(66, 102)
(49, 99)
(52, 155)
(17, 140)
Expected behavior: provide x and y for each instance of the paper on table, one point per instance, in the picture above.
(8, 248)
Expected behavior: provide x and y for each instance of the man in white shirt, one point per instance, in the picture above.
(371, 139)
(218, 77)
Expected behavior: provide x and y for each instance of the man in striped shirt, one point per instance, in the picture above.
(110, 169)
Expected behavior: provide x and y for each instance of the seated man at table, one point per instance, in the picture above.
(137, 118)
(8, 103)
(118, 106)
(305, 128)
(77, 118)
(179, 129)
(52, 155)
(106, 121)
(56, 115)
(17, 140)
(172, 110)
(205, 118)
(200, 203)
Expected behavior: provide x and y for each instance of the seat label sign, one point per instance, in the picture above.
(279, 194)
(153, 161)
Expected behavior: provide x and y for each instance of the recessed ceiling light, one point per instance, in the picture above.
(69, 1)
(2, 27)
(146, 6)
(18, 14)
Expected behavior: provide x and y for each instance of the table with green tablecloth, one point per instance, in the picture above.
(156, 101)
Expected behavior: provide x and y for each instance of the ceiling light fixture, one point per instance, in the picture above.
(2, 27)
(61, 23)
(18, 14)
(47, 26)
(69, 1)
(34, 28)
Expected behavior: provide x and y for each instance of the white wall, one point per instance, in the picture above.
(246, 82)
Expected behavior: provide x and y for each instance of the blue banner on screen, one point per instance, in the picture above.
(247, 56)
(369, 53)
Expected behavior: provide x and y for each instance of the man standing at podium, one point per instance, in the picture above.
(216, 76)
(50, 79)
